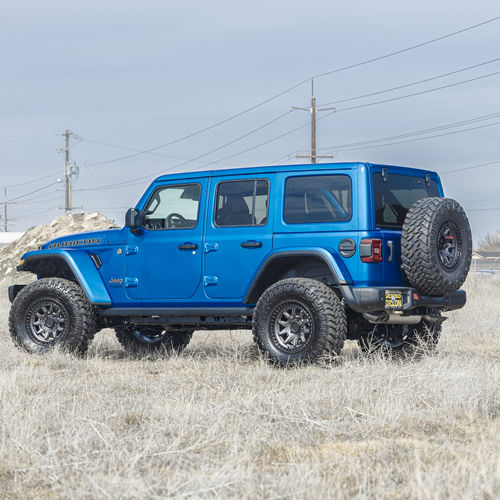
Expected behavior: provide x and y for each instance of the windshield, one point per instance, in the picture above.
(394, 197)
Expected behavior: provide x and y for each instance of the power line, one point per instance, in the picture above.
(416, 132)
(251, 148)
(33, 180)
(359, 106)
(36, 200)
(470, 168)
(412, 83)
(412, 47)
(422, 138)
(31, 192)
(206, 129)
(135, 150)
(218, 148)
(134, 181)
(349, 109)
(281, 158)
(50, 210)
(293, 87)
(26, 139)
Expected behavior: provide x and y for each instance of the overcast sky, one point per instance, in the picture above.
(141, 74)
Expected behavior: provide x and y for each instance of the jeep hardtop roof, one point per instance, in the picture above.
(286, 168)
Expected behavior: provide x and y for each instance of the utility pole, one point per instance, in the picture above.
(5, 220)
(67, 177)
(314, 111)
(70, 170)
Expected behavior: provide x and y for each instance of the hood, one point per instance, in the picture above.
(114, 236)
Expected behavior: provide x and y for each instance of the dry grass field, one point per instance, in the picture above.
(217, 421)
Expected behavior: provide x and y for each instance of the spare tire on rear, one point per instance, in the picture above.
(436, 246)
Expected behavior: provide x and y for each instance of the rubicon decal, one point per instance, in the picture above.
(76, 243)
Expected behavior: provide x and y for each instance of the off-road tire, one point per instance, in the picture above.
(76, 314)
(422, 337)
(167, 343)
(323, 310)
(421, 246)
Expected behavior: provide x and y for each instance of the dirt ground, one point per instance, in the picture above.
(217, 421)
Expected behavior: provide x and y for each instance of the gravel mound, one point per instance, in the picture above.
(36, 236)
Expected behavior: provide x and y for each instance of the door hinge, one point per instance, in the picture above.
(209, 280)
(130, 282)
(211, 247)
(131, 250)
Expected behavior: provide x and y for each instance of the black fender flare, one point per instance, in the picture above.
(80, 264)
(321, 254)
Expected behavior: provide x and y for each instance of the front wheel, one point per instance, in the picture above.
(152, 340)
(401, 339)
(52, 312)
(298, 320)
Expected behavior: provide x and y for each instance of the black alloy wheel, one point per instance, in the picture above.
(292, 325)
(449, 245)
(47, 320)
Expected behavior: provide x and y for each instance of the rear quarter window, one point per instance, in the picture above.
(318, 198)
(394, 197)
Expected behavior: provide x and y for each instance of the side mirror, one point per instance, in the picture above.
(132, 218)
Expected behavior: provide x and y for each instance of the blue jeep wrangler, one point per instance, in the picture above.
(305, 256)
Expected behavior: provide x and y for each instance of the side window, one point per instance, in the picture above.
(242, 203)
(173, 207)
(318, 198)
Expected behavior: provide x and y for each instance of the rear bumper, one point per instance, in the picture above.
(372, 299)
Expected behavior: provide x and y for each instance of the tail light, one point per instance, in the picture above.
(370, 250)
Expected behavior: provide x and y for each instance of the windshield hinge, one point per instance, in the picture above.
(384, 174)
(427, 179)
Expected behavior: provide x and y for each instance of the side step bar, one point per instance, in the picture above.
(176, 311)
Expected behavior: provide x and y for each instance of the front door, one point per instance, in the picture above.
(163, 261)
(239, 234)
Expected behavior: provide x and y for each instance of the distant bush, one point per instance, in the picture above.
(490, 243)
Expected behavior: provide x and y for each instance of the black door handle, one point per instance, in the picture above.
(187, 246)
(251, 244)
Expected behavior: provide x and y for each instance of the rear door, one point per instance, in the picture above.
(238, 233)
(394, 192)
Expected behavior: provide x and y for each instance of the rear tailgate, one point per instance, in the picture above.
(395, 190)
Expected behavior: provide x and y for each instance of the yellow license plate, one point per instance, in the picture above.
(393, 299)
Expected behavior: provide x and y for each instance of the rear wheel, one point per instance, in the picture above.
(298, 320)
(403, 339)
(152, 340)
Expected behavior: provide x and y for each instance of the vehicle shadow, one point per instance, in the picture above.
(244, 353)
